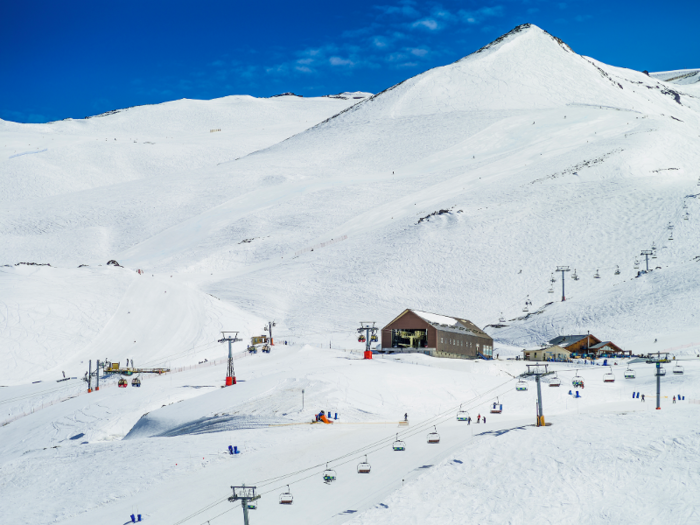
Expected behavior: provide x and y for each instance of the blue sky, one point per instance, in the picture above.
(78, 58)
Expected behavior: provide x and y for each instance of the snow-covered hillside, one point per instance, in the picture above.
(458, 192)
(681, 76)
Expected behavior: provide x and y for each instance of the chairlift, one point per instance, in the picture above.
(551, 289)
(252, 505)
(678, 369)
(577, 381)
(685, 205)
(266, 348)
(636, 264)
(653, 246)
(686, 216)
(286, 498)
(574, 276)
(609, 377)
(136, 382)
(653, 254)
(434, 437)
(521, 386)
(328, 475)
(662, 371)
(617, 270)
(374, 338)
(462, 415)
(552, 279)
(501, 319)
(670, 226)
(364, 467)
(398, 446)
(122, 383)
(597, 275)
(629, 373)
(670, 237)
(362, 339)
(497, 407)
(555, 381)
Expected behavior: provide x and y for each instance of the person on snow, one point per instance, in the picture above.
(642, 398)
(484, 420)
(469, 420)
(674, 399)
(405, 416)
(478, 418)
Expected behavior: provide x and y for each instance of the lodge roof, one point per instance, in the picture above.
(566, 340)
(444, 323)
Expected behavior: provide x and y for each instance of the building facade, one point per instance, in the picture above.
(436, 335)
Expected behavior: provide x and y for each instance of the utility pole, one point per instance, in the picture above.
(646, 254)
(536, 370)
(230, 374)
(246, 495)
(268, 329)
(562, 269)
(370, 335)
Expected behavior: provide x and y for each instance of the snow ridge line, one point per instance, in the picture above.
(28, 153)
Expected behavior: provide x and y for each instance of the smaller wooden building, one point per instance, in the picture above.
(549, 353)
(436, 335)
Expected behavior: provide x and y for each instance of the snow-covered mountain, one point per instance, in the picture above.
(459, 192)
(540, 156)
(680, 76)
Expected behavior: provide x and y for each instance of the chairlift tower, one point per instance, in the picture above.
(268, 329)
(370, 331)
(658, 380)
(562, 269)
(230, 373)
(246, 495)
(646, 254)
(536, 370)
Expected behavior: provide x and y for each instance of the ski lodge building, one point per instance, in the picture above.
(436, 335)
(589, 345)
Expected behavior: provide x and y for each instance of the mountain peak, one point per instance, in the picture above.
(517, 32)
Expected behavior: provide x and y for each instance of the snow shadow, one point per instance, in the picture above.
(501, 431)
(149, 426)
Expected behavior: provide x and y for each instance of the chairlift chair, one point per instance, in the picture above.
(362, 339)
(670, 237)
(252, 505)
(398, 446)
(597, 275)
(136, 382)
(617, 270)
(678, 369)
(555, 381)
(501, 319)
(364, 467)
(629, 373)
(329, 475)
(462, 415)
(434, 437)
(574, 276)
(609, 377)
(636, 264)
(577, 381)
(662, 371)
(122, 383)
(551, 289)
(686, 216)
(497, 407)
(286, 498)
(374, 338)
(521, 386)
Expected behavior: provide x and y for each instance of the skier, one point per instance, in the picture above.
(642, 398)
(469, 420)
(494, 406)
(478, 418)
(484, 420)
(405, 416)
(674, 399)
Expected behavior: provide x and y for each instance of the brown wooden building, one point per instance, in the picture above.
(436, 335)
(588, 345)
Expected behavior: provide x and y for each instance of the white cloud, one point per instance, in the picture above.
(419, 51)
(427, 23)
(338, 61)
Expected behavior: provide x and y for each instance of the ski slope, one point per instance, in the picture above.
(456, 192)
(502, 466)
